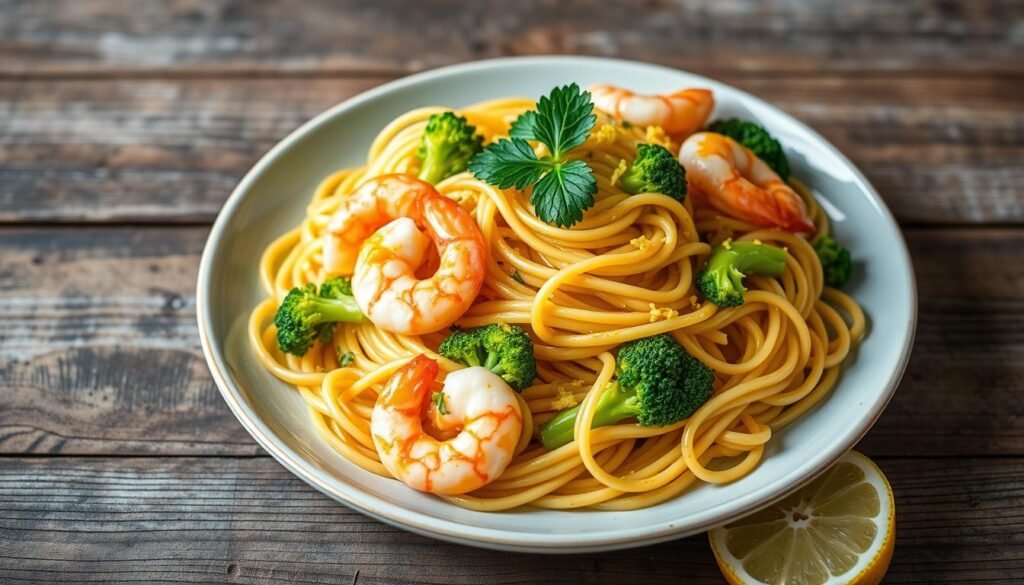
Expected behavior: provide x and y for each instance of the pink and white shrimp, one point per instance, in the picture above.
(679, 114)
(382, 235)
(734, 181)
(474, 403)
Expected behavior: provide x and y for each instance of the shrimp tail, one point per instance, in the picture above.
(409, 386)
(790, 212)
(734, 181)
(800, 223)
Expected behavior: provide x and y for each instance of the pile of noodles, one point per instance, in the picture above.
(625, 272)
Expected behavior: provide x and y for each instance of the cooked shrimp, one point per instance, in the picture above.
(737, 183)
(376, 235)
(679, 114)
(475, 403)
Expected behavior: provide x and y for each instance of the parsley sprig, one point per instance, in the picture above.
(438, 398)
(562, 188)
(346, 358)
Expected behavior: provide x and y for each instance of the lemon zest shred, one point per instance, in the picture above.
(618, 172)
(661, 313)
(657, 135)
(604, 134)
(640, 243)
(565, 399)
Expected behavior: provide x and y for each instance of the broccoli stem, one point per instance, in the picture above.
(339, 309)
(749, 258)
(614, 405)
(493, 363)
(760, 259)
(632, 181)
(471, 358)
(434, 169)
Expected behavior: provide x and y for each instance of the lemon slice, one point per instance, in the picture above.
(839, 529)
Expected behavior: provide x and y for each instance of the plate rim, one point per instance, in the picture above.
(402, 517)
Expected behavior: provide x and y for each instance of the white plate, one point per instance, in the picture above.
(272, 198)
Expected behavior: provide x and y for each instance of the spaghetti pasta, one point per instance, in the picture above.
(625, 272)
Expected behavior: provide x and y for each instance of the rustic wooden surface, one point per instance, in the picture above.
(124, 126)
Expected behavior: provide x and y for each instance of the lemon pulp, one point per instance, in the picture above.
(836, 529)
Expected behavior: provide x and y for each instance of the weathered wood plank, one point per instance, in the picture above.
(88, 36)
(961, 392)
(99, 349)
(143, 150)
(216, 520)
(938, 149)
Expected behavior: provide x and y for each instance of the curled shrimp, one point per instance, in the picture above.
(474, 403)
(734, 181)
(376, 235)
(679, 114)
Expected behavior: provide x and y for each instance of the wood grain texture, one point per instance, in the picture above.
(99, 351)
(217, 36)
(226, 520)
(100, 348)
(155, 151)
(149, 113)
(939, 150)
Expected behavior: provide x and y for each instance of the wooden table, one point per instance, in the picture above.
(123, 127)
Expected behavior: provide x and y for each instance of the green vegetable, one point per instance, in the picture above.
(505, 350)
(306, 316)
(835, 261)
(655, 170)
(518, 277)
(344, 359)
(657, 382)
(562, 188)
(524, 125)
(338, 287)
(758, 140)
(721, 281)
(448, 144)
(438, 399)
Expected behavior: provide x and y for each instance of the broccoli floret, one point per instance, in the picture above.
(448, 144)
(505, 350)
(306, 316)
(657, 382)
(721, 281)
(336, 288)
(758, 140)
(835, 261)
(655, 170)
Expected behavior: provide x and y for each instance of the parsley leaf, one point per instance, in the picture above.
(344, 359)
(516, 276)
(562, 189)
(438, 399)
(564, 119)
(562, 195)
(523, 126)
(509, 163)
